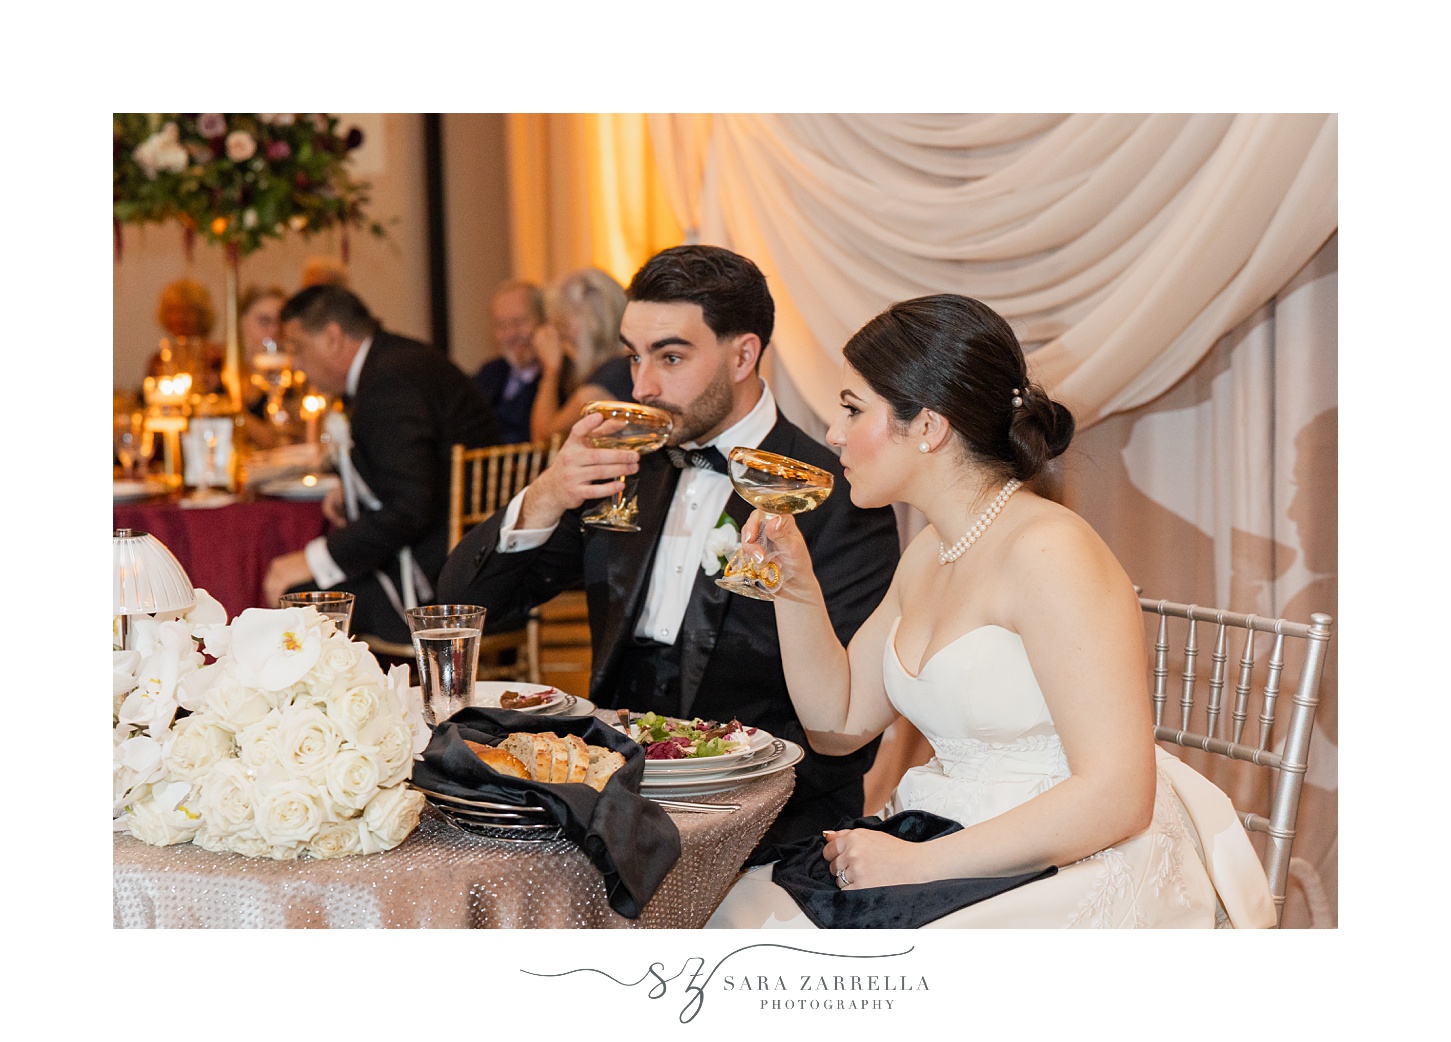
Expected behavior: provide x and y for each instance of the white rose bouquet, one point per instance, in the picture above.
(295, 743)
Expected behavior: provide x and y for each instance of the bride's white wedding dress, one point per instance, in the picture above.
(980, 706)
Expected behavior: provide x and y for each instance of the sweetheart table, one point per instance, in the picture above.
(440, 877)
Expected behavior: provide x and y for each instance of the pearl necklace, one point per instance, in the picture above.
(946, 556)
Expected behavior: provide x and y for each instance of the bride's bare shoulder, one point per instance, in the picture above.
(1047, 535)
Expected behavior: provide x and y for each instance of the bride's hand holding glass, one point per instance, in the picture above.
(777, 485)
(777, 537)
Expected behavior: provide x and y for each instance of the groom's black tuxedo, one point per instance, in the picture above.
(728, 652)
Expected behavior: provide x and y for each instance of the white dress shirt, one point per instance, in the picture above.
(700, 499)
(325, 571)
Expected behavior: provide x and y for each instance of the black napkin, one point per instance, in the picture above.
(630, 839)
(804, 874)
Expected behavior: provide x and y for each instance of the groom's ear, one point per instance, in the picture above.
(745, 355)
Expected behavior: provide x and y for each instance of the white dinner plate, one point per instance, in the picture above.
(309, 486)
(789, 755)
(572, 705)
(128, 491)
(488, 692)
(720, 768)
(699, 765)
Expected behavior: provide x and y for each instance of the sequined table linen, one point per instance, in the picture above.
(439, 877)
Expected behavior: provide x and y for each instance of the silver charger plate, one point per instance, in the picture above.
(481, 808)
(572, 705)
(504, 832)
(789, 755)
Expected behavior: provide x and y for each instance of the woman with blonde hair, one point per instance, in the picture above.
(579, 350)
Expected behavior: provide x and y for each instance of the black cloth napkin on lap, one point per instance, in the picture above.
(630, 839)
(804, 874)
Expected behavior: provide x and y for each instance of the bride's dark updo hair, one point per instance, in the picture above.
(957, 357)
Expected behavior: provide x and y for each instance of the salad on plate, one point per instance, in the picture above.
(666, 738)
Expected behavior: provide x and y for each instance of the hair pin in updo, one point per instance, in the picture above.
(1017, 398)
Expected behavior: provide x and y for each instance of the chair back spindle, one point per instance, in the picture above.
(480, 482)
(1286, 757)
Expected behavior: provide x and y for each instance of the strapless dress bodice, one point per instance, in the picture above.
(978, 704)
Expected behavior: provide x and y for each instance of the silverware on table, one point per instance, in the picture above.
(704, 808)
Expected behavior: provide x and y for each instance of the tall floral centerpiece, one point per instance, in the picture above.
(237, 180)
(292, 742)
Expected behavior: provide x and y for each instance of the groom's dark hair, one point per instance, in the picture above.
(729, 288)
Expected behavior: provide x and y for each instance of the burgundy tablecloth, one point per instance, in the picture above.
(226, 550)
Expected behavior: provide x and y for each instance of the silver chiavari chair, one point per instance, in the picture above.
(1242, 704)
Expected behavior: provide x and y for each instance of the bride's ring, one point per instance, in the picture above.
(841, 876)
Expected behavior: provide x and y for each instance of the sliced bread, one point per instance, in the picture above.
(558, 757)
(534, 750)
(500, 760)
(602, 763)
(578, 757)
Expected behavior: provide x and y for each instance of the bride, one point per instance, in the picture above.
(1013, 639)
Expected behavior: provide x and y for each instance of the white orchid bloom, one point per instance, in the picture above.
(124, 667)
(410, 703)
(191, 691)
(206, 616)
(723, 541)
(274, 648)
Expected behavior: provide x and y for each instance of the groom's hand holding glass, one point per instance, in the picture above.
(578, 474)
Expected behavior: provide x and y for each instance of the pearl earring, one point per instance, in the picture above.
(924, 447)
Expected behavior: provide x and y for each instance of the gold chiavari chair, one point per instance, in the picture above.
(482, 481)
(1254, 664)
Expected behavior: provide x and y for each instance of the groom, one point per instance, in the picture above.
(665, 637)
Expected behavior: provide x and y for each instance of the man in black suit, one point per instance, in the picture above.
(509, 382)
(407, 406)
(665, 637)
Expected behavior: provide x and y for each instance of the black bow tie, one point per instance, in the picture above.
(708, 458)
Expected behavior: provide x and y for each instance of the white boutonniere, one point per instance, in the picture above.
(723, 541)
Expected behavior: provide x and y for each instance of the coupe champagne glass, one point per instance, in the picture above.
(627, 426)
(774, 484)
(273, 369)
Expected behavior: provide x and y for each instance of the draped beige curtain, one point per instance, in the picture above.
(1120, 246)
(584, 192)
(1174, 278)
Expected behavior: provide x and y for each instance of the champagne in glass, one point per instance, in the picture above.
(774, 484)
(627, 425)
